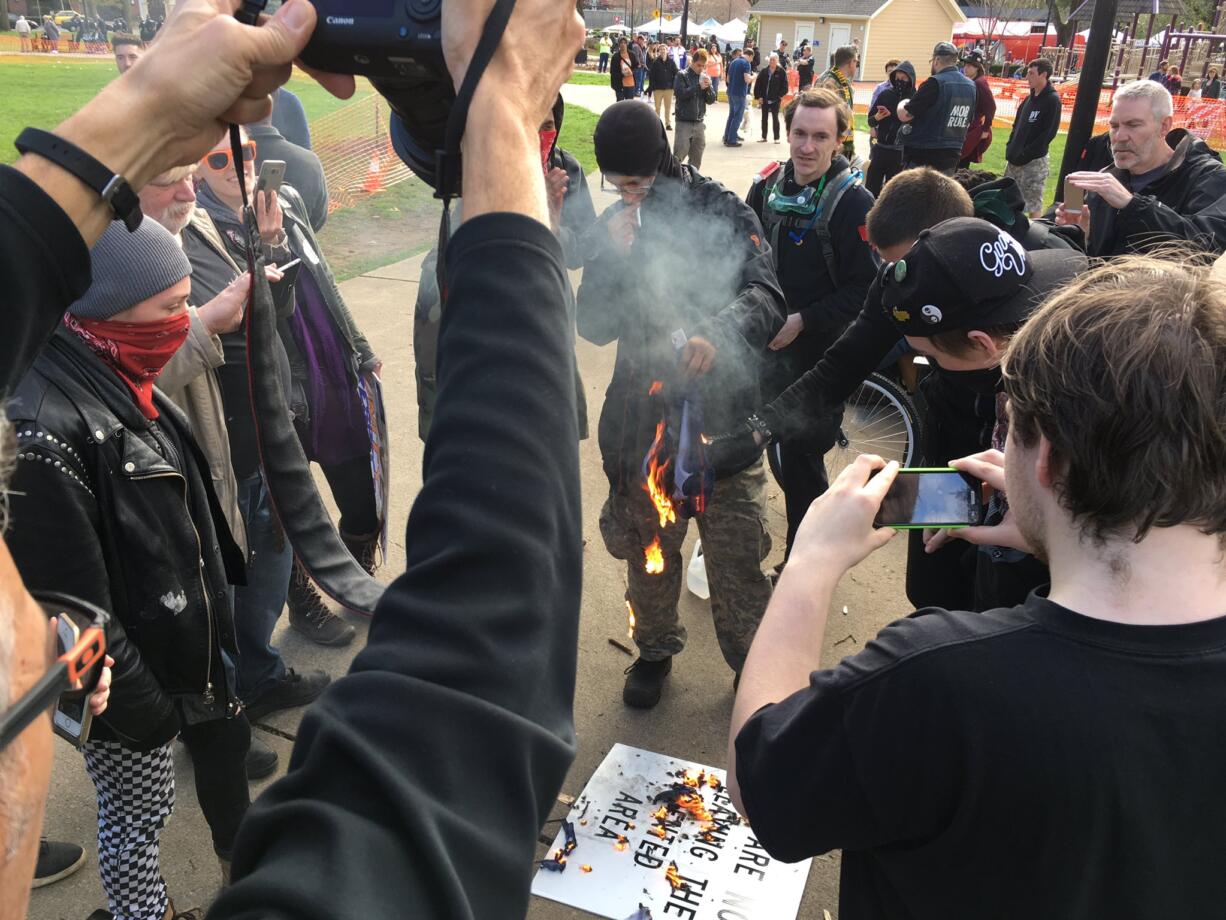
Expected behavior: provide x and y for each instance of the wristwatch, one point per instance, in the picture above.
(112, 187)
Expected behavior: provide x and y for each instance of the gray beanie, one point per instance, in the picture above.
(130, 267)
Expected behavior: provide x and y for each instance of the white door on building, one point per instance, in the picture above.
(804, 30)
(840, 36)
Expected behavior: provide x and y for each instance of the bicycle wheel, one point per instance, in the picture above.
(879, 418)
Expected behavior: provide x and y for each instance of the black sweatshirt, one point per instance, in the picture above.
(1036, 124)
(44, 267)
(420, 780)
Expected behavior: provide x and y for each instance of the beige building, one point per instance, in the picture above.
(904, 29)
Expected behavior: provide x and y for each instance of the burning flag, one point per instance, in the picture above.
(657, 479)
(654, 558)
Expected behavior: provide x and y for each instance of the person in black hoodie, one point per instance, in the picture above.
(885, 159)
(1165, 185)
(825, 266)
(1036, 124)
(705, 346)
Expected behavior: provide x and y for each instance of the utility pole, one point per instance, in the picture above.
(1089, 86)
(685, 22)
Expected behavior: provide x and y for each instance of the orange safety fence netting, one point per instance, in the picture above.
(1205, 118)
(36, 44)
(355, 149)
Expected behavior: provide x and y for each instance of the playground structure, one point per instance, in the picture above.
(1149, 31)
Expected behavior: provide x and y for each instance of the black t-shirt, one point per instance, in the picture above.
(1019, 763)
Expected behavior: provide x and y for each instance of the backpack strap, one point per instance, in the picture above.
(772, 221)
(828, 204)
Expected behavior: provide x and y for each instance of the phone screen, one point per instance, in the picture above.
(931, 498)
(1074, 198)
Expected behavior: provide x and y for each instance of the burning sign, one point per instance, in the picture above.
(666, 838)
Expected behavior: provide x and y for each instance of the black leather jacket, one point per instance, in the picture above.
(120, 511)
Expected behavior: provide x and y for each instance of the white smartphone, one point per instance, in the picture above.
(272, 174)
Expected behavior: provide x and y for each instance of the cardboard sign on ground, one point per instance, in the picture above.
(652, 832)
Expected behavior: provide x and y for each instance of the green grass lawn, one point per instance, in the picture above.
(578, 126)
(587, 78)
(994, 159)
(43, 91)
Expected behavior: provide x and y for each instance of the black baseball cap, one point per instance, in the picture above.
(966, 273)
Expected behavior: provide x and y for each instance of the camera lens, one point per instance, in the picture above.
(422, 10)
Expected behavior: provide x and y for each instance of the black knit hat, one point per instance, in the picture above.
(965, 273)
(128, 268)
(630, 139)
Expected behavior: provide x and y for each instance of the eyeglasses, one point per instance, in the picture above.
(620, 183)
(80, 650)
(221, 159)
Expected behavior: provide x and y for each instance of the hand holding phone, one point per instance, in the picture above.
(837, 531)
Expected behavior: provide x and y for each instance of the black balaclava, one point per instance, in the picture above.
(906, 90)
(630, 141)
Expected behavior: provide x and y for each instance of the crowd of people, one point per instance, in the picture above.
(1008, 748)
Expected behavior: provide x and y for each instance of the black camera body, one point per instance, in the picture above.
(397, 45)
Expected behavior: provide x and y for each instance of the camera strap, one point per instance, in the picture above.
(287, 473)
(447, 161)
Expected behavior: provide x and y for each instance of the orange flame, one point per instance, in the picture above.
(674, 877)
(654, 557)
(661, 813)
(694, 806)
(694, 778)
(630, 631)
(658, 830)
(656, 387)
(585, 868)
(657, 479)
(713, 781)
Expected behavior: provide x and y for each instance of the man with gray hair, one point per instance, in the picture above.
(1165, 185)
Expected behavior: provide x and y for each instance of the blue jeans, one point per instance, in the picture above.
(258, 604)
(640, 75)
(736, 111)
(715, 85)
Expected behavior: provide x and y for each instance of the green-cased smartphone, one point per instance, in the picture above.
(931, 498)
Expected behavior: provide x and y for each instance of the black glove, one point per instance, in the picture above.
(733, 450)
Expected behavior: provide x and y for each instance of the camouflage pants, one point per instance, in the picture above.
(734, 543)
(1030, 179)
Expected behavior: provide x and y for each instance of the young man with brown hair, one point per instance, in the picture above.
(813, 209)
(693, 91)
(1061, 757)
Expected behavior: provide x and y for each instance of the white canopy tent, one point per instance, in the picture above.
(651, 28)
(674, 28)
(732, 32)
(615, 28)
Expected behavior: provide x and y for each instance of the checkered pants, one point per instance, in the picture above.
(136, 793)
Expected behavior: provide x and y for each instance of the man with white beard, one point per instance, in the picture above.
(216, 305)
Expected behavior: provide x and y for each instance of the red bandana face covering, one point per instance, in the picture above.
(547, 139)
(137, 352)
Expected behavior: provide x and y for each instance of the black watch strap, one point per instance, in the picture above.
(113, 188)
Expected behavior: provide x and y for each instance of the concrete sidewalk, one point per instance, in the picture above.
(690, 722)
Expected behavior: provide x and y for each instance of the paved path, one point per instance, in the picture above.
(690, 722)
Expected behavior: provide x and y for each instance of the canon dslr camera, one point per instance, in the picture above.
(397, 45)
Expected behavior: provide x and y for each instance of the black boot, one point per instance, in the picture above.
(261, 760)
(364, 549)
(645, 682)
(310, 616)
